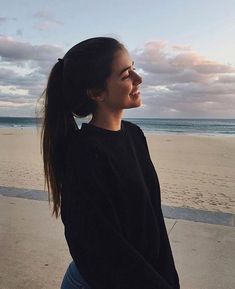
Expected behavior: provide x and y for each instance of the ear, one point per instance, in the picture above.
(95, 94)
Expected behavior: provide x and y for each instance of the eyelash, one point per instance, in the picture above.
(125, 77)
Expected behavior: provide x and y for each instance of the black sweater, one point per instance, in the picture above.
(111, 210)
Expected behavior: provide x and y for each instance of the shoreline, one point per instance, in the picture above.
(195, 171)
(4, 130)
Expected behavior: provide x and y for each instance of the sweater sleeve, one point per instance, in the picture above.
(104, 257)
(166, 248)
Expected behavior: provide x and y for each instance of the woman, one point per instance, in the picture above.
(101, 177)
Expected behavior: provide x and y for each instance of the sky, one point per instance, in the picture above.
(183, 49)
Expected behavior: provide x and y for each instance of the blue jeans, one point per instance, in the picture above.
(73, 279)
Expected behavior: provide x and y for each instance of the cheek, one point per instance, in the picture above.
(120, 91)
(126, 88)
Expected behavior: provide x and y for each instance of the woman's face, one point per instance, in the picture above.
(122, 86)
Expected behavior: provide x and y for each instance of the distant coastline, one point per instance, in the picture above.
(149, 125)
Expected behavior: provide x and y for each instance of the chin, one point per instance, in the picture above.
(134, 105)
(136, 99)
(139, 102)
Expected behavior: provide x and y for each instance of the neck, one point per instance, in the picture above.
(110, 121)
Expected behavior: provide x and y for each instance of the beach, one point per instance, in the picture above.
(195, 171)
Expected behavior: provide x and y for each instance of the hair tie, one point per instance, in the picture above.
(60, 60)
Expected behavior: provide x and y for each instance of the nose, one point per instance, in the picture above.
(136, 78)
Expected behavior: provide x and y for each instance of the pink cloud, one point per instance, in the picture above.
(49, 22)
(178, 79)
(181, 47)
(46, 25)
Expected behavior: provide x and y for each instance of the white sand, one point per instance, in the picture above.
(194, 171)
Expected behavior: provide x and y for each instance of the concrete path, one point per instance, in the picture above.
(34, 253)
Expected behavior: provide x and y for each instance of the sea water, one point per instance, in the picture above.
(152, 125)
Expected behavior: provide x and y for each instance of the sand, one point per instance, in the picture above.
(194, 171)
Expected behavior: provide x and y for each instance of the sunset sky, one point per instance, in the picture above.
(183, 49)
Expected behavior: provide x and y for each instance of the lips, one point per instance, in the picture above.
(134, 92)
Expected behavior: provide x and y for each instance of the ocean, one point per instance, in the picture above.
(152, 125)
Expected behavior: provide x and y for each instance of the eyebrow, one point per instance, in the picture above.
(124, 69)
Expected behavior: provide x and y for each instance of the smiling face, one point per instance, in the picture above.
(122, 86)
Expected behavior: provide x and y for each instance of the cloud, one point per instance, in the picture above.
(39, 57)
(6, 74)
(181, 47)
(19, 32)
(6, 19)
(43, 14)
(46, 25)
(11, 50)
(226, 78)
(48, 21)
(179, 82)
(24, 69)
(12, 104)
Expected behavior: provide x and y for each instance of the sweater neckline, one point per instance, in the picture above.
(102, 131)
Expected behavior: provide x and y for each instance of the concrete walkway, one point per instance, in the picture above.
(34, 253)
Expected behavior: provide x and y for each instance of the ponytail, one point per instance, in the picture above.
(58, 123)
(87, 65)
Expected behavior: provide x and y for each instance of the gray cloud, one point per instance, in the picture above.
(17, 98)
(33, 83)
(19, 32)
(24, 67)
(17, 110)
(6, 19)
(177, 81)
(226, 78)
(7, 74)
(12, 50)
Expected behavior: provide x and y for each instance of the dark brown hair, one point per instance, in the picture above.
(85, 66)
